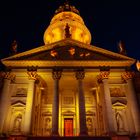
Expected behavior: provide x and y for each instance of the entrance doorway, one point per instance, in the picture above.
(68, 126)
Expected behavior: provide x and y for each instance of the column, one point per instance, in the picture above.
(5, 98)
(56, 75)
(130, 120)
(103, 77)
(82, 113)
(132, 101)
(29, 102)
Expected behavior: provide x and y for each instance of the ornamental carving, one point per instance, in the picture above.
(56, 74)
(1, 75)
(103, 75)
(17, 123)
(21, 91)
(89, 123)
(8, 75)
(47, 126)
(128, 75)
(53, 53)
(32, 75)
(99, 79)
(117, 92)
(80, 75)
(72, 51)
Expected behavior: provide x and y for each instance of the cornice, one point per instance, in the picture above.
(25, 63)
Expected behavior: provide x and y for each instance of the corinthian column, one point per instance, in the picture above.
(132, 101)
(55, 108)
(103, 77)
(82, 113)
(29, 101)
(5, 98)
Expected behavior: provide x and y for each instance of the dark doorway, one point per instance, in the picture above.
(68, 127)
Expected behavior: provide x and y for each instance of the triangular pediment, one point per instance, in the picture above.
(67, 50)
(18, 104)
(68, 112)
(47, 113)
(119, 104)
(89, 112)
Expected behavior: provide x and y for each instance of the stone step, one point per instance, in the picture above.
(69, 138)
(55, 138)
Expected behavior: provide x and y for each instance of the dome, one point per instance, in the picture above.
(67, 23)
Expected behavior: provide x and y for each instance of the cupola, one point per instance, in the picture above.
(67, 20)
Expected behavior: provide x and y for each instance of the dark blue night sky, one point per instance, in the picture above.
(109, 21)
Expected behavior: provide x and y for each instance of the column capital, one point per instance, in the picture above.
(127, 75)
(56, 74)
(80, 74)
(103, 75)
(32, 75)
(2, 74)
(8, 75)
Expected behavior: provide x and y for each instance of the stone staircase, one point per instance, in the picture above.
(69, 138)
(54, 138)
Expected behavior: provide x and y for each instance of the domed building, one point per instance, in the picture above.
(68, 87)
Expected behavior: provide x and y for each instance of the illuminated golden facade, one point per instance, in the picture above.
(68, 87)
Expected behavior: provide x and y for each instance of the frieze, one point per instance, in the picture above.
(73, 63)
(21, 91)
(116, 92)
